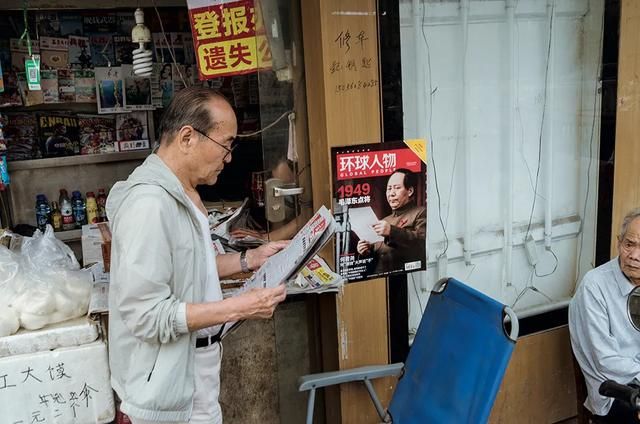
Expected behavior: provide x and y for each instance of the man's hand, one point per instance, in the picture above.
(256, 257)
(382, 228)
(363, 247)
(260, 303)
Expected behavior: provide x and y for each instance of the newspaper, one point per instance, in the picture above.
(315, 277)
(287, 263)
(99, 303)
(220, 223)
(99, 300)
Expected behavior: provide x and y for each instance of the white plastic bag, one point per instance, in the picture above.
(42, 285)
(46, 253)
(9, 271)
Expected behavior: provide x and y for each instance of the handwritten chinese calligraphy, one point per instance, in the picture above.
(343, 40)
(350, 65)
(356, 85)
(69, 385)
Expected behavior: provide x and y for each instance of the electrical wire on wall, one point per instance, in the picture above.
(529, 286)
(271, 125)
(598, 74)
(415, 288)
(431, 95)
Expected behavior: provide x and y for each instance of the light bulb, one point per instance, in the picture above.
(142, 58)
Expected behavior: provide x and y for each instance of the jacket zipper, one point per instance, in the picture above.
(153, 367)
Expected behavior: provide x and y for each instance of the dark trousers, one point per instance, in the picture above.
(620, 413)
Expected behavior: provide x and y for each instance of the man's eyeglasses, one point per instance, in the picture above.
(228, 150)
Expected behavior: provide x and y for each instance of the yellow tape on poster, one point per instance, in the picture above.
(419, 147)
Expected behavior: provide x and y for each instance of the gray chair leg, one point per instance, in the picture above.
(376, 402)
(310, 404)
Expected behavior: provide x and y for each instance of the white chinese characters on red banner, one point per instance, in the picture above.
(379, 195)
(376, 164)
(228, 38)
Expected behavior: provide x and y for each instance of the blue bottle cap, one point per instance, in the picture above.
(76, 194)
(41, 197)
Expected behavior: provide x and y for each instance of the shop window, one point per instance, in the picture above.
(507, 94)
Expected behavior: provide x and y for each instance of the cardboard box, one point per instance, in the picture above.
(66, 386)
(105, 233)
(73, 332)
(96, 244)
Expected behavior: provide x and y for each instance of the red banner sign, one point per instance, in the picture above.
(229, 39)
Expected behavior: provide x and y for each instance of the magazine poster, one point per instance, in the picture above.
(11, 95)
(79, 52)
(59, 135)
(70, 24)
(20, 52)
(48, 24)
(156, 90)
(132, 131)
(110, 88)
(54, 52)
(379, 198)
(21, 136)
(97, 134)
(99, 22)
(85, 84)
(29, 97)
(162, 84)
(49, 85)
(161, 48)
(66, 85)
(102, 52)
(137, 90)
(123, 48)
(125, 22)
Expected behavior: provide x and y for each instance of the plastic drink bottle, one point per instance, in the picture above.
(43, 212)
(92, 208)
(66, 209)
(79, 209)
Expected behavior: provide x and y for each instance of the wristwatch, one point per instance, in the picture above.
(243, 262)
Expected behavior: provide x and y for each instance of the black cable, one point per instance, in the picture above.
(544, 108)
(417, 294)
(431, 142)
(535, 269)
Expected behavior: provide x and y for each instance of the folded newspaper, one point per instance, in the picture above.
(285, 265)
(315, 277)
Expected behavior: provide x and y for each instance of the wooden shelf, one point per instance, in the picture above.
(78, 160)
(82, 4)
(89, 107)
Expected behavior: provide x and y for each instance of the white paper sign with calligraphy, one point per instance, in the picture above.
(63, 386)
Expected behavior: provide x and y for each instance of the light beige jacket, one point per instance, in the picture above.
(157, 267)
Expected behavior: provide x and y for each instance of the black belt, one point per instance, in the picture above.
(209, 340)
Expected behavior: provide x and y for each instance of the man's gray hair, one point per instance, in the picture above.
(189, 107)
(629, 217)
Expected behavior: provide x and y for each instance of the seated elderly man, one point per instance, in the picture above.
(604, 341)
